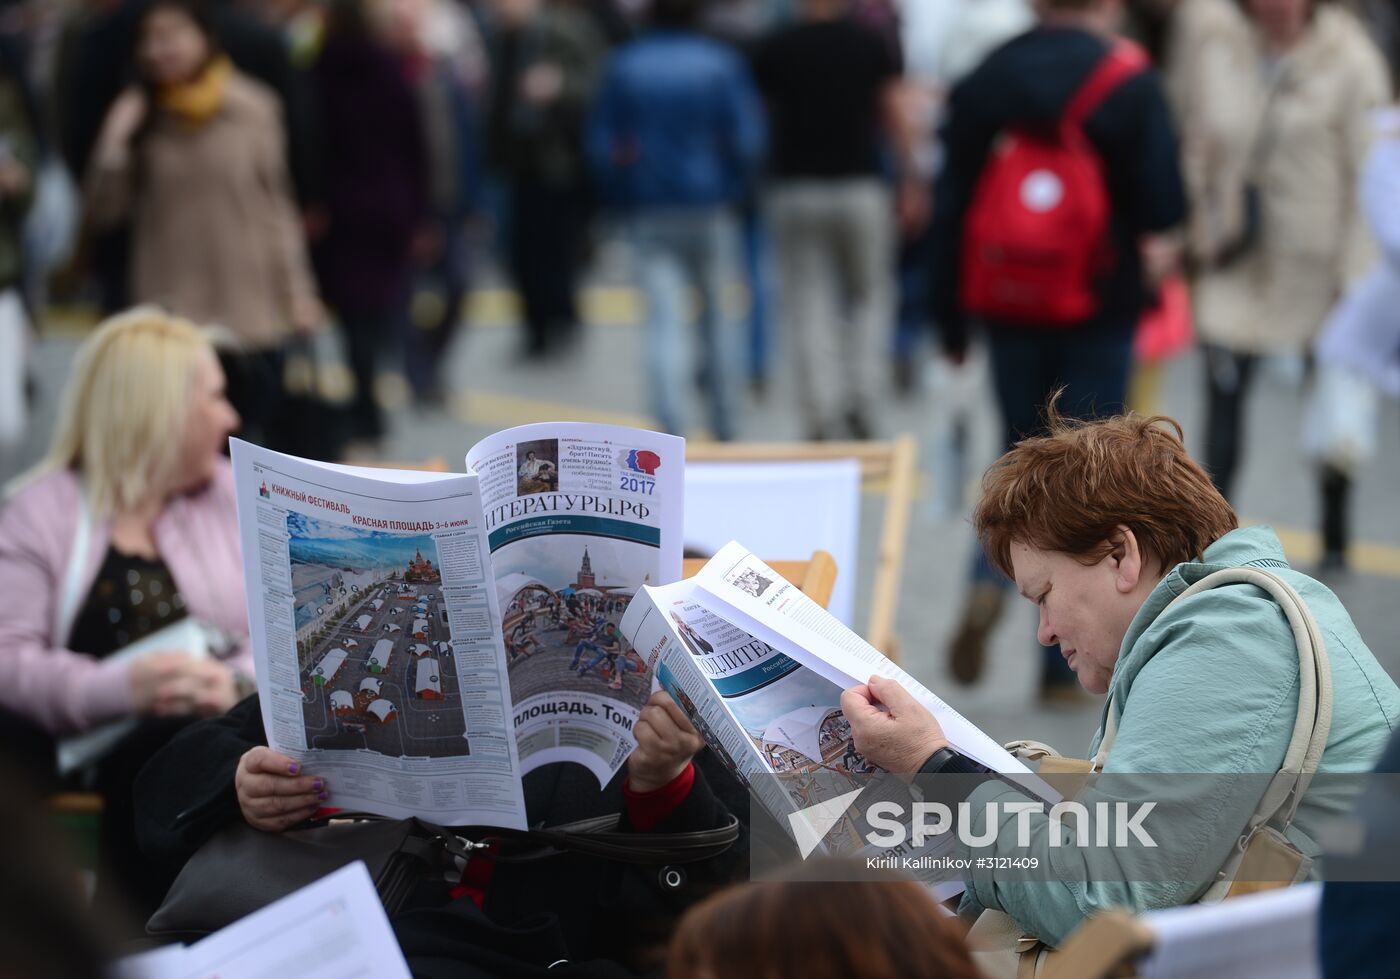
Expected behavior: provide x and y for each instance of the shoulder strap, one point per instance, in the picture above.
(1314, 719)
(1124, 60)
(66, 608)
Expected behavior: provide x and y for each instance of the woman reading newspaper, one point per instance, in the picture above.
(221, 770)
(1102, 525)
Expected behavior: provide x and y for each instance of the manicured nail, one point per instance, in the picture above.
(325, 795)
(293, 768)
(317, 785)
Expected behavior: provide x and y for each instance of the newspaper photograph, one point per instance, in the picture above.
(377, 637)
(580, 518)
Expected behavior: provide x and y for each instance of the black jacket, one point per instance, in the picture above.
(603, 910)
(1028, 82)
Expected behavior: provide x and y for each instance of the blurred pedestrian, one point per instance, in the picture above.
(676, 140)
(1357, 354)
(1282, 132)
(441, 79)
(942, 42)
(545, 60)
(92, 67)
(193, 154)
(832, 89)
(375, 191)
(1084, 129)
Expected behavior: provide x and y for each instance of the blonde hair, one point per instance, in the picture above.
(122, 419)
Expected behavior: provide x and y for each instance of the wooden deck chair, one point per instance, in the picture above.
(888, 468)
(816, 576)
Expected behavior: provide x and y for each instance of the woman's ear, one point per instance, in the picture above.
(1127, 559)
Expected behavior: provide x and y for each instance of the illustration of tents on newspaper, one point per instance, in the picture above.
(382, 711)
(342, 702)
(326, 670)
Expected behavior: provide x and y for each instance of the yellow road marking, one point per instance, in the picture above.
(487, 408)
(1303, 549)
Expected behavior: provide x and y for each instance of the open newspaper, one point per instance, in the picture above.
(423, 639)
(761, 677)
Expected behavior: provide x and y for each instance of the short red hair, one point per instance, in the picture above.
(1068, 490)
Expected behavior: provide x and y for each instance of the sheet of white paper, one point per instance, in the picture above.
(751, 595)
(377, 636)
(580, 518)
(335, 928)
(166, 962)
(187, 636)
(1272, 935)
(790, 510)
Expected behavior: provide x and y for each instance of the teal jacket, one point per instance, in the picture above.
(1208, 687)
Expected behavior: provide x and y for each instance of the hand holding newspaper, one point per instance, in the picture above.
(760, 668)
(423, 639)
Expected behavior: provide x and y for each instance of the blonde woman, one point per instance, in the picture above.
(127, 527)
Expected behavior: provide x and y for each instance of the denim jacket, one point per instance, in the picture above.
(677, 123)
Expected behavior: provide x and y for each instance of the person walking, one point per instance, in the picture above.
(675, 140)
(1282, 129)
(193, 154)
(832, 88)
(1058, 147)
(545, 60)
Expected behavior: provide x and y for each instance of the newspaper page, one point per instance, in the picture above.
(742, 589)
(776, 724)
(376, 636)
(580, 518)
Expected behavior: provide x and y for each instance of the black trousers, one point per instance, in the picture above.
(548, 228)
(372, 335)
(1229, 375)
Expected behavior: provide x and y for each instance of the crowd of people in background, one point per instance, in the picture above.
(338, 160)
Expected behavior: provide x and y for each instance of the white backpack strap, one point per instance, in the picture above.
(66, 608)
(1314, 720)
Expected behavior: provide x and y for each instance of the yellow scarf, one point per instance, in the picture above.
(196, 101)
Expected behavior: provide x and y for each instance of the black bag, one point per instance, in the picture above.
(309, 425)
(241, 869)
(1251, 228)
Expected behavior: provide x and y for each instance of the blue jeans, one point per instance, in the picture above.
(603, 654)
(583, 646)
(678, 252)
(1027, 366)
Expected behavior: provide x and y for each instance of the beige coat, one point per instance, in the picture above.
(216, 236)
(1303, 146)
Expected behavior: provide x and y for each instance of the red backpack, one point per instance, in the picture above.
(1035, 239)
